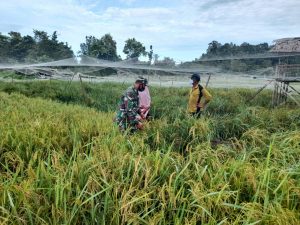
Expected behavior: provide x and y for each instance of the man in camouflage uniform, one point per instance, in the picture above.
(128, 115)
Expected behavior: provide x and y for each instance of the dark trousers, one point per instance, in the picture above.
(196, 114)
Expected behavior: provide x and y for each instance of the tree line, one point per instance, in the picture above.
(217, 50)
(105, 48)
(42, 47)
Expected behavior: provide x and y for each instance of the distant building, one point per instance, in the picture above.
(287, 45)
(286, 74)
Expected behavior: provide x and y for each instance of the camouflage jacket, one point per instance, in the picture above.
(128, 109)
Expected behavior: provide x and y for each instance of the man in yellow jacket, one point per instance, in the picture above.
(197, 93)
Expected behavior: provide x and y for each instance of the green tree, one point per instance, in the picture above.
(26, 46)
(48, 48)
(134, 49)
(40, 47)
(108, 48)
(216, 50)
(104, 48)
(213, 47)
(4, 47)
(15, 40)
(89, 47)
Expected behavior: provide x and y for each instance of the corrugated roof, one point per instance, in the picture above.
(287, 45)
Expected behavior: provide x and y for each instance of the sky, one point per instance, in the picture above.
(180, 29)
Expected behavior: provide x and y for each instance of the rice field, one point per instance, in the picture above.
(64, 162)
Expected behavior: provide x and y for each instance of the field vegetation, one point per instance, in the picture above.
(64, 162)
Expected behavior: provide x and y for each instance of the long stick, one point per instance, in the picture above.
(260, 90)
(294, 90)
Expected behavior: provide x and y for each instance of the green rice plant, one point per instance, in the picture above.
(67, 163)
(256, 137)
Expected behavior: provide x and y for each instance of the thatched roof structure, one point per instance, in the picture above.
(287, 45)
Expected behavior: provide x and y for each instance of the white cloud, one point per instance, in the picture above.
(128, 2)
(174, 30)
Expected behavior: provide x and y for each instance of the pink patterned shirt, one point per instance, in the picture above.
(145, 101)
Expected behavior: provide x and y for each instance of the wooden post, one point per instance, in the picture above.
(208, 80)
(279, 99)
(159, 81)
(293, 99)
(274, 97)
(286, 90)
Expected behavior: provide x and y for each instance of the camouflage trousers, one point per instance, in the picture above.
(126, 121)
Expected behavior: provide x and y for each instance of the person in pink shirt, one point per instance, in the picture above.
(144, 101)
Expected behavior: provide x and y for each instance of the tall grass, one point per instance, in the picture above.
(68, 164)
